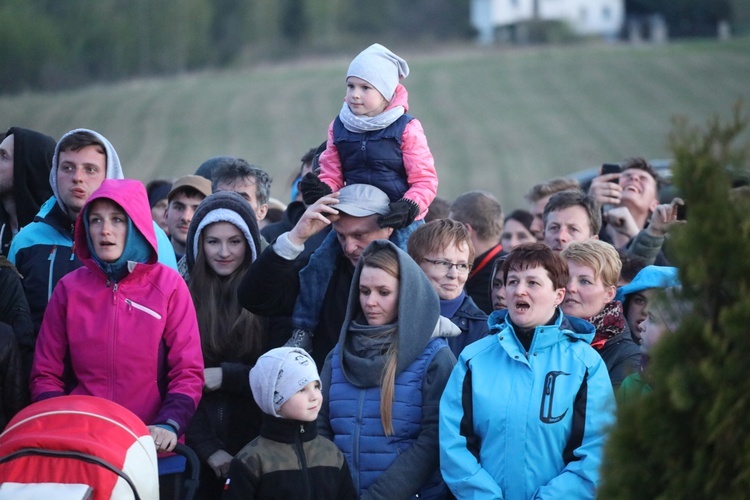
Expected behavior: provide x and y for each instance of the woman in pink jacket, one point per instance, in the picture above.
(123, 326)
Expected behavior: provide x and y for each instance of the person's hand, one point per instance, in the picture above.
(621, 220)
(312, 188)
(219, 462)
(664, 217)
(212, 378)
(400, 214)
(164, 439)
(604, 191)
(316, 217)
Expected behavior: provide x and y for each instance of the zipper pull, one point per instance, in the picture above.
(301, 428)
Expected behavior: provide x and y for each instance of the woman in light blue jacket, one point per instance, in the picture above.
(526, 409)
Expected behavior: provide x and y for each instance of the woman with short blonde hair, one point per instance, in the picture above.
(594, 267)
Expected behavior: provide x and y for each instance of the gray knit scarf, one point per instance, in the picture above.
(364, 353)
(362, 124)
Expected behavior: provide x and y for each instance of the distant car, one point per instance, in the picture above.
(662, 167)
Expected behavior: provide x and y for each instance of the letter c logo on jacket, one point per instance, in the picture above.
(548, 396)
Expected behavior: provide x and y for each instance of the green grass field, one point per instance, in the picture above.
(498, 119)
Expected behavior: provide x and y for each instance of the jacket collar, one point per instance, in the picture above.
(565, 328)
(283, 430)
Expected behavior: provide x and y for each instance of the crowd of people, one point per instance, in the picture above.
(368, 340)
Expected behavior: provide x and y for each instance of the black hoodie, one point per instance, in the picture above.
(32, 161)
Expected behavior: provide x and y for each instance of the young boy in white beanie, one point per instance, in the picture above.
(288, 459)
(372, 141)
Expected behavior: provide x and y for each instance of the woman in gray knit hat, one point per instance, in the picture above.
(222, 242)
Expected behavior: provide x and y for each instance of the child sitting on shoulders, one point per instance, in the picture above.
(372, 141)
(288, 459)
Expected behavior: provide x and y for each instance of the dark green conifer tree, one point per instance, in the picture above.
(690, 437)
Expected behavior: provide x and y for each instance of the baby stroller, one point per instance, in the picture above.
(78, 447)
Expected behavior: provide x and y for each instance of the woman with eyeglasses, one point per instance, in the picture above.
(444, 251)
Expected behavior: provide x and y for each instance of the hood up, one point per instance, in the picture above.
(114, 169)
(32, 162)
(223, 206)
(400, 98)
(131, 196)
(418, 308)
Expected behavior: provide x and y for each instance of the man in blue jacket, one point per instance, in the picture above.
(43, 250)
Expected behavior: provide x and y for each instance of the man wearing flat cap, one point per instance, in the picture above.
(272, 285)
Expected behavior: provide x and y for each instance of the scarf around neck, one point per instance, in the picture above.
(609, 322)
(364, 353)
(362, 124)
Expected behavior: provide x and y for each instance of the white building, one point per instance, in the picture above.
(585, 17)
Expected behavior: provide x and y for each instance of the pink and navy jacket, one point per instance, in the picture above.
(419, 165)
(134, 342)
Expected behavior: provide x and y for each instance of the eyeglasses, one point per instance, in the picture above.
(445, 266)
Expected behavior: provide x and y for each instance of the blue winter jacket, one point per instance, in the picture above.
(375, 157)
(518, 425)
(354, 414)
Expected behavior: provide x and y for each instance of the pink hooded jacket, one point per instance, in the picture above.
(418, 161)
(134, 342)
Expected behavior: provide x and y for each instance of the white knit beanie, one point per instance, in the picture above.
(381, 68)
(278, 375)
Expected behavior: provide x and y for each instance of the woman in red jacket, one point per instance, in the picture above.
(123, 326)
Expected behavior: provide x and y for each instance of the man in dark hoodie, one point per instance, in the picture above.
(25, 162)
(43, 250)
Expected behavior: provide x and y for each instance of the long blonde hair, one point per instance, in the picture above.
(381, 257)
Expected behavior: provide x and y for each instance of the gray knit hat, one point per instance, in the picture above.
(278, 375)
(224, 206)
(380, 67)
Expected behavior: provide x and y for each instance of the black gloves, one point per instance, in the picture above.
(312, 188)
(401, 214)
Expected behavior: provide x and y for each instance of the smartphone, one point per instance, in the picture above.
(611, 168)
(682, 212)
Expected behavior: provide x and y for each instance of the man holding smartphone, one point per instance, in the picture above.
(629, 197)
(633, 218)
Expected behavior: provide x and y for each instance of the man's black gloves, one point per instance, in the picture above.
(312, 188)
(401, 214)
